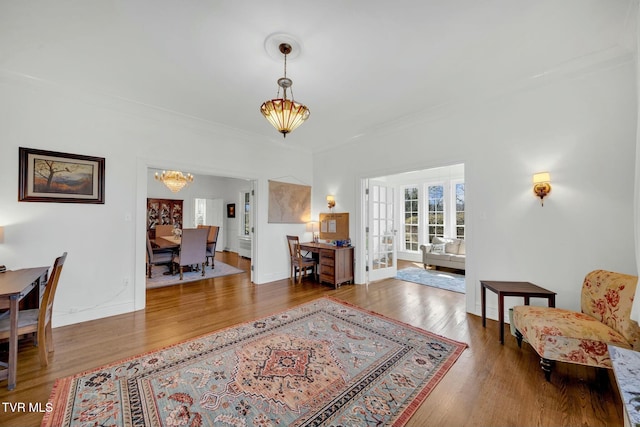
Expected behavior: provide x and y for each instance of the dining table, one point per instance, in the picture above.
(167, 242)
(15, 285)
(170, 242)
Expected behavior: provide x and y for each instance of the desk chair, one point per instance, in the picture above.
(299, 263)
(38, 321)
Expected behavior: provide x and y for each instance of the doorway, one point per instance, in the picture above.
(400, 214)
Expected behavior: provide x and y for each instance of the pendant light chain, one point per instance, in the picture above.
(284, 114)
(285, 76)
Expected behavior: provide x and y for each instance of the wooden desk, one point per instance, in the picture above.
(335, 263)
(14, 286)
(512, 289)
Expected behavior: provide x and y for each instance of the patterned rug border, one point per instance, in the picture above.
(61, 386)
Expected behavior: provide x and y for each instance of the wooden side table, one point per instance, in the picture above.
(511, 289)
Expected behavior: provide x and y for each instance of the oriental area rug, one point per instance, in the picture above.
(325, 362)
(435, 278)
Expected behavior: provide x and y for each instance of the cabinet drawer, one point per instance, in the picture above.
(327, 261)
(327, 269)
(327, 254)
(326, 278)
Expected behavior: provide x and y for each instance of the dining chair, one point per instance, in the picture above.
(193, 249)
(299, 263)
(38, 320)
(164, 230)
(212, 240)
(158, 257)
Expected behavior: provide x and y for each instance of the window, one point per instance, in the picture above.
(200, 211)
(246, 209)
(435, 208)
(459, 194)
(411, 225)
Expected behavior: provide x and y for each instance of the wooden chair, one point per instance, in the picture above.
(164, 230)
(158, 257)
(299, 263)
(212, 240)
(193, 249)
(38, 321)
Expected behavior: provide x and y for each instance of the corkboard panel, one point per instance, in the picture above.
(334, 226)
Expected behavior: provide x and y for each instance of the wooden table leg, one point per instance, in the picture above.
(13, 343)
(483, 296)
(501, 316)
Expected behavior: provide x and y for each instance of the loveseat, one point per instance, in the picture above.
(582, 337)
(444, 252)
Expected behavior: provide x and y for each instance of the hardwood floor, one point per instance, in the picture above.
(489, 385)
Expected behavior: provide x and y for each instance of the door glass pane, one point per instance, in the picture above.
(382, 228)
(435, 217)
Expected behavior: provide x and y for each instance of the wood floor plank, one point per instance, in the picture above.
(489, 385)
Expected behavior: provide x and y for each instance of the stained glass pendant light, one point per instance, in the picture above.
(284, 114)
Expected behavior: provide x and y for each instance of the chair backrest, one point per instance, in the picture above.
(149, 249)
(608, 297)
(213, 234)
(213, 237)
(294, 247)
(164, 230)
(193, 247)
(46, 305)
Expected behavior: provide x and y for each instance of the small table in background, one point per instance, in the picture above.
(511, 289)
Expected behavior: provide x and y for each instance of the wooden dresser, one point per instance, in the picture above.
(335, 263)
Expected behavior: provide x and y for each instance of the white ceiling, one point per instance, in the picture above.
(363, 65)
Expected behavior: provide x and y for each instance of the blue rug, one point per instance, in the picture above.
(437, 279)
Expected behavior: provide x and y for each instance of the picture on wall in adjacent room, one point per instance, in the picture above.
(231, 210)
(50, 176)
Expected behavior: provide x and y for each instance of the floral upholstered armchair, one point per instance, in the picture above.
(567, 336)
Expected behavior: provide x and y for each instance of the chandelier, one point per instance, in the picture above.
(284, 114)
(174, 180)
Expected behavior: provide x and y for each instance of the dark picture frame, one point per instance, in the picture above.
(51, 176)
(231, 210)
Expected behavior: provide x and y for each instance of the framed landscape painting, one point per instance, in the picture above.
(49, 176)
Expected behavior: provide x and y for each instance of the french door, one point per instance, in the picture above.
(381, 235)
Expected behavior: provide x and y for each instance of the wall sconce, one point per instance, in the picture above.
(541, 185)
(331, 201)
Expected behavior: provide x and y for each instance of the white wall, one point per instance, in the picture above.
(580, 128)
(104, 273)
